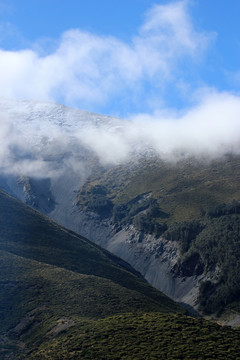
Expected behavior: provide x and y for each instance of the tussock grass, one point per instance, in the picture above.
(144, 336)
(48, 273)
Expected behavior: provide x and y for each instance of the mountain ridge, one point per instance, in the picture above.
(50, 276)
(48, 312)
(167, 206)
(127, 206)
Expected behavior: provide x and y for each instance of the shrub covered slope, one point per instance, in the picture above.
(194, 202)
(51, 276)
(62, 297)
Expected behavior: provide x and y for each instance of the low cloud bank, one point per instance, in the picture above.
(209, 130)
(92, 70)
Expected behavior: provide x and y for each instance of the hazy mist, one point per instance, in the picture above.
(42, 147)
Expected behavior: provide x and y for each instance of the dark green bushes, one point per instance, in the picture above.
(95, 199)
(224, 209)
(144, 336)
(208, 243)
(147, 224)
(144, 213)
(184, 232)
(219, 247)
(212, 244)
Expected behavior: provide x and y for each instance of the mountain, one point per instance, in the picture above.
(181, 219)
(62, 297)
(46, 153)
(52, 279)
(175, 220)
(144, 336)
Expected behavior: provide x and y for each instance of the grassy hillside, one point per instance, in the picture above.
(52, 279)
(35, 298)
(144, 336)
(194, 202)
(62, 297)
(182, 190)
(27, 233)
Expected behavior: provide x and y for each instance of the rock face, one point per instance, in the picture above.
(54, 152)
(155, 259)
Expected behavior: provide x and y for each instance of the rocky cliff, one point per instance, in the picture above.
(155, 258)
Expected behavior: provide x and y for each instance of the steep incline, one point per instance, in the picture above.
(45, 153)
(176, 223)
(157, 215)
(52, 279)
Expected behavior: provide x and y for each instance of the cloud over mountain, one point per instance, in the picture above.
(43, 139)
(88, 69)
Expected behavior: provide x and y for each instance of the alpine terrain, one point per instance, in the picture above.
(175, 219)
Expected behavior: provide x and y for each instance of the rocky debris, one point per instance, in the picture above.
(157, 259)
(62, 324)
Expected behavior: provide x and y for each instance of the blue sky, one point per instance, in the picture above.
(120, 57)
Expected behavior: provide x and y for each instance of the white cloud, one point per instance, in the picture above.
(44, 148)
(208, 130)
(87, 68)
(169, 27)
(211, 128)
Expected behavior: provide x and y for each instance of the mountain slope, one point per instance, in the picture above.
(155, 214)
(145, 336)
(51, 276)
(27, 233)
(45, 153)
(182, 189)
(181, 219)
(58, 318)
(175, 222)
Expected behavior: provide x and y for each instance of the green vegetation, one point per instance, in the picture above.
(27, 233)
(182, 190)
(219, 245)
(142, 211)
(212, 244)
(52, 279)
(95, 199)
(184, 232)
(62, 297)
(144, 336)
(193, 202)
(224, 209)
(34, 296)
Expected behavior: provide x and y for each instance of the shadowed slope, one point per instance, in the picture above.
(27, 233)
(51, 276)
